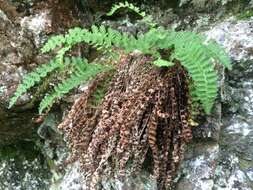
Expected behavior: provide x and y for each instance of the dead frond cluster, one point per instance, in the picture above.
(142, 120)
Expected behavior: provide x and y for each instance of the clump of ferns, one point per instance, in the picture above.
(145, 109)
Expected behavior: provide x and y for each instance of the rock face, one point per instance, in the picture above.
(227, 164)
(235, 37)
(22, 166)
(211, 163)
(16, 51)
(19, 43)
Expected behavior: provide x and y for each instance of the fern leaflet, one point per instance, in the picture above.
(130, 6)
(148, 19)
(33, 78)
(83, 72)
(53, 43)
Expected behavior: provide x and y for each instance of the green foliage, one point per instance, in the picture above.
(194, 51)
(196, 54)
(163, 63)
(100, 91)
(99, 37)
(83, 72)
(53, 43)
(130, 6)
(145, 18)
(245, 14)
(33, 78)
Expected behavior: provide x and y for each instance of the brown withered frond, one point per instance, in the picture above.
(142, 118)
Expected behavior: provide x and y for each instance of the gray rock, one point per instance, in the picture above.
(198, 170)
(230, 168)
(16, 51)
(18, 55)
(22, 167)
(228, 175)
(72, 180)
(236, 37)
(38, 24)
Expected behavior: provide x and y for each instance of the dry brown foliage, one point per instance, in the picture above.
(142, 119)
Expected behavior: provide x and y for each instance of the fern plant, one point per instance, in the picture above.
(145, 18)
(33, 78)
(82, 72)
(194, 51)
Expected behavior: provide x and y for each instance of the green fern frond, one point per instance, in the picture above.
(61, 53)
(202, 72)
(195, 53)
(99, 37)
(52, 43)
(83, 72)
(186, 39)
(33, 78)
(148, 19)
(125, 5)
(216, 51)
(73, 37)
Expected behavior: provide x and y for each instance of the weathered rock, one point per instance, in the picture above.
(230, 168)
(72, 180)
(23, 167)
(37, 24)
(198, 169)
(18, 55)
(236, 37)
(223, 165)
(16, 51)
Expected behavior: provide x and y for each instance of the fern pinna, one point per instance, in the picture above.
(194, 51)
(82, 72)
(33, 78)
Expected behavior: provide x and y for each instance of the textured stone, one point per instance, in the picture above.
(16, 50)
(223, 165)
(22, 167)
(236, 37)
(231, 168)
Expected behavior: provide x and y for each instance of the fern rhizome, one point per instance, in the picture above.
(145, 109)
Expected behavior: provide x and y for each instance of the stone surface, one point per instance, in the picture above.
(37, 24)
(199, 170)
(23, 167)
(16, 51)
(71, 180)
(19, 42)
(229, 167)
(236, 37)
(211, 163)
